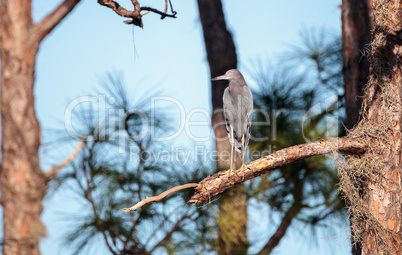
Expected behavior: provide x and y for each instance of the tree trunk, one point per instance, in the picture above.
(221, 55)
(381, 209)
(23, 185)
(356, 38)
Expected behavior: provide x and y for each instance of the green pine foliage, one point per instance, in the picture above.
(302, 103)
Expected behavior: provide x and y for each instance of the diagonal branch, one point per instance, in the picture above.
(55, 170)
(48, 23)
(170, 233)
(290, 214)
(219, 182)
(160, 196)
(281, 230)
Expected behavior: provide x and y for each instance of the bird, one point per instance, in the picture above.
(238, 112)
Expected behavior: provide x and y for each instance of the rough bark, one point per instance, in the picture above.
(356, 38)
(221, 55)
(219, 182)
(23, 184)
(383, 116)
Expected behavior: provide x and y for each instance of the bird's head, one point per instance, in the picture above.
(229, 75)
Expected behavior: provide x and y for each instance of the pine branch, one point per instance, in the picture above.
(219, 182)
(55, 170)
(169, 234)
(48, 23)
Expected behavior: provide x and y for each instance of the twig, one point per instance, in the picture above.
(53, 172)
(166, 6)
(135, 16)
(48, 23)
(172, 230)
(163, 14)
(160, 196)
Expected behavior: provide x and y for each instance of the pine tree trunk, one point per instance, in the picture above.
(221, 55)
(23, 185)
(382, 193)
(356, 38)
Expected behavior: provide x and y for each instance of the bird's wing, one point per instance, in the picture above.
(227, 104)
(247, 110)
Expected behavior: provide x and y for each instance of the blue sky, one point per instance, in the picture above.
(170, 58)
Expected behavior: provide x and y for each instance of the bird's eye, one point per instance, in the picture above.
(231, 74)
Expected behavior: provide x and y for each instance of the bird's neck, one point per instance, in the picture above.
(235, 86)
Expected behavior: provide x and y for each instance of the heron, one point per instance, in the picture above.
(238, 112)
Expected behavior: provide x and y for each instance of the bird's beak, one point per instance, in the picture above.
(222, 77)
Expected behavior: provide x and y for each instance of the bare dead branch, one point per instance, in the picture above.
(160, 196)
(48, 23)
(135, 15)
(163, 14)
(219, 182)
(166, 6)
(55, 170)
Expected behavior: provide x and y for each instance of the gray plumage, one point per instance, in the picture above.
(237, 109)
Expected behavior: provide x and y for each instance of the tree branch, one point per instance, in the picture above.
(219, 182)
(163, 14)
(55, 170)
(159, 197)
(48, 23)
(287, 219)
(170, 233)
(121, 11)
(135, 15)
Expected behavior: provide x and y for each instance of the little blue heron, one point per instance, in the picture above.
(238, 112)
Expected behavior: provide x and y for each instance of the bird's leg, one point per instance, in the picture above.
(231, 151)
(242, 152)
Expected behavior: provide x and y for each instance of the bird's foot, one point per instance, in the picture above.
(242, 168)
(230, 172)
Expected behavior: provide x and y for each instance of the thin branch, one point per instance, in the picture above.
(162, 224)
(172, 230)
(282, 228)
(55, 170)
(89, 197)
(160, 196)
(48, 23)
(287, 219)
(135, 15)
(219, 182)
(166, 6)
(163, 14)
